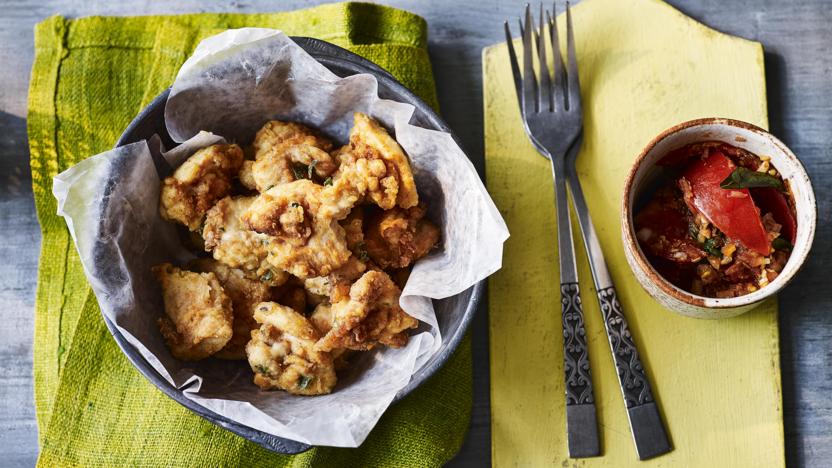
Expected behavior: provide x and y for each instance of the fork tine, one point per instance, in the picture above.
(557, 61)
(574, 85)
(530, 91)
(515, 68)
(545, 82)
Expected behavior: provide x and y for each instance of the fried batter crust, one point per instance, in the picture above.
(244, 293)
(282, 353)
(246, 175)
(374, 166)
(198, 317)
(305, 238)
(396, 238)
(284, 150)
(321, 318)
(336, 285)
(232, 244)
(370, 317)
(198, 183)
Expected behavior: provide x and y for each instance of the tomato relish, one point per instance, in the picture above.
(723, 225)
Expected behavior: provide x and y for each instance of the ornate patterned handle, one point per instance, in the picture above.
(575, 354)
(631, 376)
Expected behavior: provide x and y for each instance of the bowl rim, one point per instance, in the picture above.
(329, 55)
(653, 276)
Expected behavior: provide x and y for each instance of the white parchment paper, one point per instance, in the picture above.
(235, 82)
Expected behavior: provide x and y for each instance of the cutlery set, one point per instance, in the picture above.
(550, 107)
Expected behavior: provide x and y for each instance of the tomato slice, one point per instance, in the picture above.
(771, 200)
(732, 211)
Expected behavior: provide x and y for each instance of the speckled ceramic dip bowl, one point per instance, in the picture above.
(644, 175)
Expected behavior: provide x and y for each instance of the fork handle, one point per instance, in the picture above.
(646, 425)
(581, 417)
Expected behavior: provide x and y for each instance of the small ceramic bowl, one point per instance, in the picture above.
(644, 175)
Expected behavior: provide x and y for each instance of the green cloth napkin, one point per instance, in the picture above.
(91, 76)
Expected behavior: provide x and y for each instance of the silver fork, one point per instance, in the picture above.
(552, 117)
(562, 121)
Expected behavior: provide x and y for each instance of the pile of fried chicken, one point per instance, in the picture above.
(311, 246)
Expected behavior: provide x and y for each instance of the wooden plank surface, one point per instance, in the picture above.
(796, 36)
(644, 67)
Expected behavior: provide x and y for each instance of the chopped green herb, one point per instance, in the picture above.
(267, 276)
(746, 178)
(782, 244)
(260, 368)
(304, 381)
(711, 247)
(269, 187)
(311, 168)
(328, 181)
(294, 204)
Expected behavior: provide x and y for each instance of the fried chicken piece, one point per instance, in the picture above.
(276, 133)
(198, 183)
(232, 244)
(374, 167)
(305, 238)
(198, 317)
(353, 226)
(396, 238)
(370, 317)
(336, 285)
(244, 293)
(246, 175)
(288, 151)
(282, 353)
(321, 318)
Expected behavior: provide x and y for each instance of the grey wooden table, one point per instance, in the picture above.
(797, 36)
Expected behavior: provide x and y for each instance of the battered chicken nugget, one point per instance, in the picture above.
(321, 318)
(286, 151)
(277, 133)
(282, 353)
(246, 175)
(232, 244)
(396, 238)
(244, 293)
(198, 183)
(370, 317)
(353, 226)
(198, 317)
(375, 166)
(305, 238)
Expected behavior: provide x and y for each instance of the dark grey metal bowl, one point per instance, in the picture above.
(151, 121)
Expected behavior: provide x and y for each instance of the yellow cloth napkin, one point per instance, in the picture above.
(91, 76)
